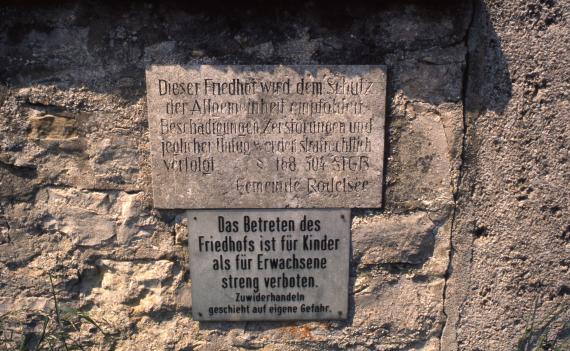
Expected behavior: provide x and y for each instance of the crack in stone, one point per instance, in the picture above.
(475, 11)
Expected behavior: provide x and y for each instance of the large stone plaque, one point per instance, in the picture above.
(266, 136)
(269, 264)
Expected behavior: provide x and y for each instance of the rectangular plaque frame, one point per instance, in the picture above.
(315, 293)
(313, 137)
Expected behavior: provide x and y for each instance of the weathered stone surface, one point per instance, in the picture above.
(510, 269)
(96, 82)
(393, 239)
(266, 136)
(142, 283)
(89, 218)
(476, 141)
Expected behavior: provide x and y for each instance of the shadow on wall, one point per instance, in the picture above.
(105, 47)
(488, 86)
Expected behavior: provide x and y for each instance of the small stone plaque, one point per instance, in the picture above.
(266, 136)
(269, 264)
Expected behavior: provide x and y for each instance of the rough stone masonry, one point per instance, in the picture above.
(470, 250)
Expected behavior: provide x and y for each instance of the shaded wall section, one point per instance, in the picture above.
(508, 287)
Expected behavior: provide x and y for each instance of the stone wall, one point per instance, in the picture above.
(509, 275)
(469, 251)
